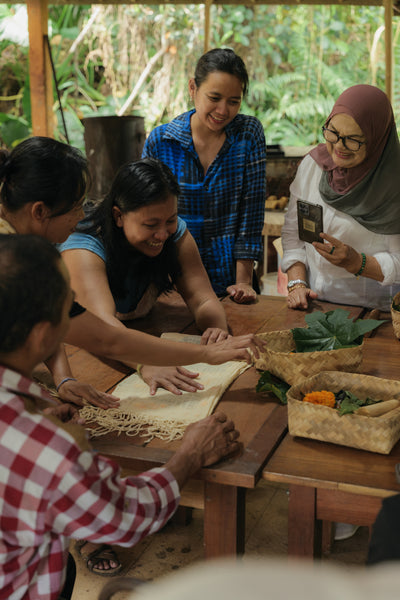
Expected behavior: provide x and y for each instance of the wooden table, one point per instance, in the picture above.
(328, 482)
(220, 489)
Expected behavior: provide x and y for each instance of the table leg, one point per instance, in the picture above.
(328, 532)
(265, 265)
(224, 520)
(304, 531)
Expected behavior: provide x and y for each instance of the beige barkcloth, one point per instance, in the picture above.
(164, 415)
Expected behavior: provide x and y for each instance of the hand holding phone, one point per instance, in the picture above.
(309, 219)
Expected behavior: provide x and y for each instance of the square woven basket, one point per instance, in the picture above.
(396, 316)
(376, 434)
(280, 359)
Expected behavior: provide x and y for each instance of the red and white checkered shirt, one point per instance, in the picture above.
(52, 490)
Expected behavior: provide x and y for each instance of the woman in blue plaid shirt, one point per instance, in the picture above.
(219, 159)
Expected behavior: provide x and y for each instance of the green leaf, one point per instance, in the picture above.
(271, 383)
(349, 403)
(331, 330)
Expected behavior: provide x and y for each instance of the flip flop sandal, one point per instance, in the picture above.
(103, 552)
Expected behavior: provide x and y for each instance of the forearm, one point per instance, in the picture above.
(297, 271)
(58, 365)
(210, 313)
(129, 345)
(183, 465)
(244, 271)
(366, 267)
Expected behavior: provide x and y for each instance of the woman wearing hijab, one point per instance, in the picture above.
(355, 177)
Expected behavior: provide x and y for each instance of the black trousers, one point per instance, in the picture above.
(385, 539)
(69, 580)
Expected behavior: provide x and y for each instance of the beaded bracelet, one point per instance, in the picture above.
(363, 263)
(63, 381)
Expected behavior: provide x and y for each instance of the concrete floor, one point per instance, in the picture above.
(178, 545)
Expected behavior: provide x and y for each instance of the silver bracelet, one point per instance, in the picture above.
(294, 282)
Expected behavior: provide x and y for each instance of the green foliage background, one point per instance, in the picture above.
(299, 58)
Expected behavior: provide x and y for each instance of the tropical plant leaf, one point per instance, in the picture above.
(347, 402)
(271, 383)
(331, 330)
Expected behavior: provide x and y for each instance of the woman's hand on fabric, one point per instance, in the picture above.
(246, 347)
(242, 293)
(298, 297)
(77, 392)
(173, 379)
(65, 413)
(338, 253)
(214, 334)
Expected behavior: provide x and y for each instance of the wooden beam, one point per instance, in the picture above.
(207, 24)
(389, 49)
(40, 74)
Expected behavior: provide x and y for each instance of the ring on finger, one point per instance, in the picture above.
(332, 250)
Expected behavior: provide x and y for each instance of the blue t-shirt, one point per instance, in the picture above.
(133, 286)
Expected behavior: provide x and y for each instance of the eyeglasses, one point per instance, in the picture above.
(348, 142)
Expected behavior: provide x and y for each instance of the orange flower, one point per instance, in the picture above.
(322, 397)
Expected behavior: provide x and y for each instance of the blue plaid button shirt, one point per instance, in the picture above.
(224, 208)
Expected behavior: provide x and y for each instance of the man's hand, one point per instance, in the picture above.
(65, 413)
(211, 438)
(204, 443)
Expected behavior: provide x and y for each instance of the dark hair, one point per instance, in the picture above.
(43, 169)
(140, 183)
(221, 59)
(32, 287)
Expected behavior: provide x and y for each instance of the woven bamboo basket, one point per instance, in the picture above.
(280, 359)
(376, 434)
(396, 316)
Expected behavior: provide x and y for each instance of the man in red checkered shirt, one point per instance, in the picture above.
(53, 487)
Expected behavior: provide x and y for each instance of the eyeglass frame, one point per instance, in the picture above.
(343, 138)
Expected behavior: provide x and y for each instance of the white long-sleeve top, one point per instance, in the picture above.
(330, 282)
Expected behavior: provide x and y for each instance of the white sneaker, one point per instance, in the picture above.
(344, 531)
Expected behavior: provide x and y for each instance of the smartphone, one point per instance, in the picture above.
(309, 218)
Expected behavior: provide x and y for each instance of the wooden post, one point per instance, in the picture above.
(389, 48)
(40, 69)
(207, 24)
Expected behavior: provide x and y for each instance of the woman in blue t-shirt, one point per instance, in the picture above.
(132, 248)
